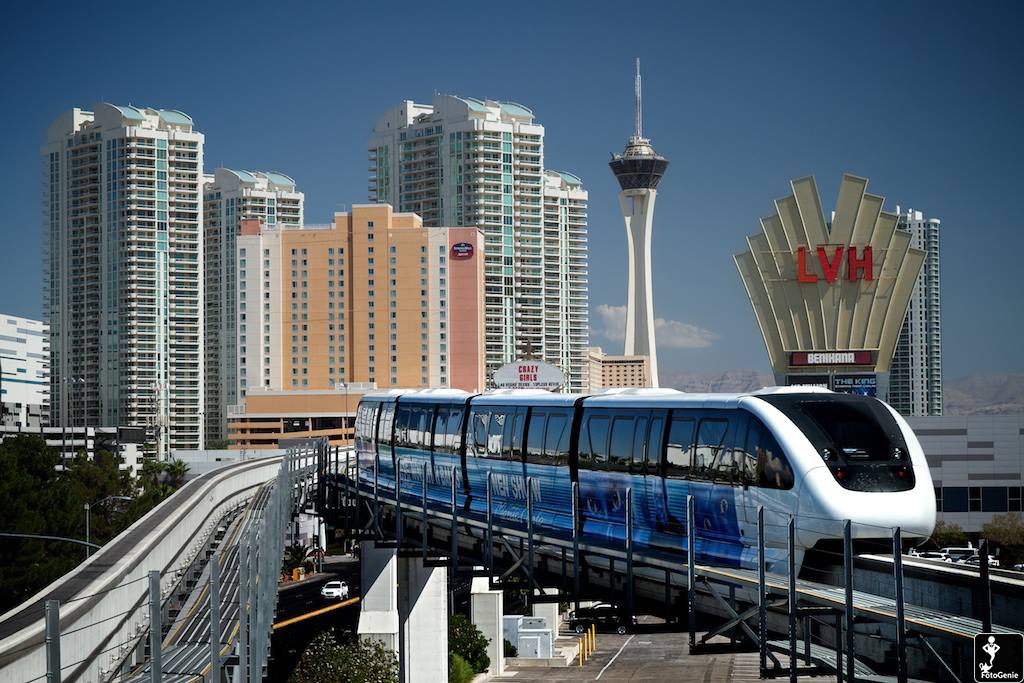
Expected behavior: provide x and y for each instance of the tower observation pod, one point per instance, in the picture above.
(639, 170)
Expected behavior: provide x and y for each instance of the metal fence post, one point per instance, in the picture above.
(762, 589)
(848, 581)
(51, 610)
(423, 519)
(986, 587)
(215, 618)
(243, 605)
(376, 497)
(398, 502)
(629, 553)
(454, 529)
(490, 528)
(529, 534)
(155, 629)
(792, 599)
(901, 624)
(691, 574)
(576, 564)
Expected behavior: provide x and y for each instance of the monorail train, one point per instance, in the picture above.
(817, 456)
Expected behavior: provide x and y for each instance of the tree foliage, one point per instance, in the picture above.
(361, 661)
(466, 640)
(38, 498)
(1004, 530)
(948, 534)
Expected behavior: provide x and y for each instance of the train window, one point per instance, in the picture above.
(556, 438)
(535, 435)
(773, 470)
(385, 423)
(655, 444)
(679, 449)
(440, 427)
(402, 420)
(453, 431)
(639, 444)
(479, 423)
(495, 435)
(420, 428)
(597, 435)
(621, 444)
(710, 445)
(516, 440)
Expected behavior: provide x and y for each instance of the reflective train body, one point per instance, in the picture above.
(819, 457)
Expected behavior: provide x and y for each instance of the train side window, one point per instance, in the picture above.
(621, 443)
(440, 429)
(420, 438)
(516, 442)
(495, 435)
(710, 447)
(535, 435)
(479, 422)
(402, 419)
(556, 439)
(597, 435)
(773, 470)
(384, 426)
(640, 445)
(453, 440)
(655, 444)
(679, 449)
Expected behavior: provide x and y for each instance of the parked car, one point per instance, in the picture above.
(604, 616)
(337, 590)
(930, 555)
(960, 554)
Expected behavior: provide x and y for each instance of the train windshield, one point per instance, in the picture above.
(856, 436)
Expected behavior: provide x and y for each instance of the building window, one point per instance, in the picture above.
(975, 499)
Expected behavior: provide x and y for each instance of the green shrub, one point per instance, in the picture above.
(466, 640)
(510, 649)
(459, 670)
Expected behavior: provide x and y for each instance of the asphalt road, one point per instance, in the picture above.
(296, 599)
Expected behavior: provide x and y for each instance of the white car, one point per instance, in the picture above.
(335, 589)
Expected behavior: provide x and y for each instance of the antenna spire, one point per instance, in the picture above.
(639, 103)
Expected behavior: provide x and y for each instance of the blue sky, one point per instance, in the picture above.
(924, 99)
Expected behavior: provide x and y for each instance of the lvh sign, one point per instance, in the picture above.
(830, 260)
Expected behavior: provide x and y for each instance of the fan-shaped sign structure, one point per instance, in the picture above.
(529, 374)
(830, 295)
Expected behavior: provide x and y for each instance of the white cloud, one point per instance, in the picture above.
(670, 334)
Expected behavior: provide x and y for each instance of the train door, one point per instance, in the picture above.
(717, 508)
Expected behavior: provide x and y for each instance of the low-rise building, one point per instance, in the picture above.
(24, 372)
(128, 443)
(267, 417)
(607, 371)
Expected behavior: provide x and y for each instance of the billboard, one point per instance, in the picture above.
(528, 374)
(862, 385)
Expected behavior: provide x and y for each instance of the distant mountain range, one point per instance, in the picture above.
(971, 395)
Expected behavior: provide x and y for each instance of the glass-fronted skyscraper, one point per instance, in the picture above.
(915, 385)
(466, 161)
(122, 212)
(230, 197)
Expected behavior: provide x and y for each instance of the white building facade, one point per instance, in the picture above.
(123, 216)
(472, 162)
(24, 372)
(229, 197)
(915, 383)
(566, 322)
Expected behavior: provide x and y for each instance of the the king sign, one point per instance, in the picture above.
(830, 258)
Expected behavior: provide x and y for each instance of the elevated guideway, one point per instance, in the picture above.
(94, 624)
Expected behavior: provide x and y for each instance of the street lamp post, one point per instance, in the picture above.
(88, 508)
(344, 415)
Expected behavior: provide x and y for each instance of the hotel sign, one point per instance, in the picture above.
(857, 266)
(462, 250)
(807, 358)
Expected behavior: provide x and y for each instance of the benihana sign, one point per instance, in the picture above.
(528, 374)
(857, 266)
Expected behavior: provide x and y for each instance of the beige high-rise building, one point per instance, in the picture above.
(374, 297)
(607, 371)
(123, 218)
(229, 197)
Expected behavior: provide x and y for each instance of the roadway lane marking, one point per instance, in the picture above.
(310, 615)
(615, 657)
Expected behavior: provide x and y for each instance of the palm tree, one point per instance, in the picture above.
(294, 556)
(176, 470)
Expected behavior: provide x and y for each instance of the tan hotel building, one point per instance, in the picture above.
(373, 299)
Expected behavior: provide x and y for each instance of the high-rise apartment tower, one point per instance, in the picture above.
(466, 161)
(123, 214)
(230, 197)
(639, 170)
(915, 383)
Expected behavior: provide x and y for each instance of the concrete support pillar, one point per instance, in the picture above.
(423, 614)
(378, 618)
(549, 612)
(488, 607)
(405, 607)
